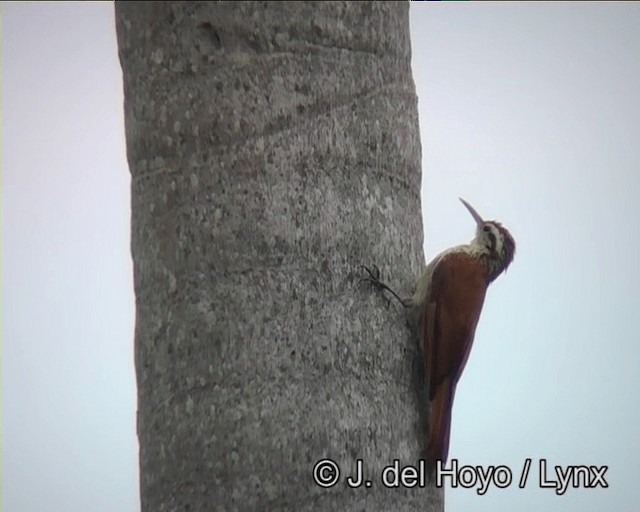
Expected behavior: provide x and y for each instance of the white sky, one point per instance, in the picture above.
(530, 111)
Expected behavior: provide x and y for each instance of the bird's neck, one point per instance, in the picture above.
(493, 262)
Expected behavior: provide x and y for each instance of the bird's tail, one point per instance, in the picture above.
(439, 425)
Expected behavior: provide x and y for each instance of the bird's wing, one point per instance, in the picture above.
(450, 316)
(448, 324)
(439, 424)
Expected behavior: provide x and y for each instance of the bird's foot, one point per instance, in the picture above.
(374, 279)
(374, 275)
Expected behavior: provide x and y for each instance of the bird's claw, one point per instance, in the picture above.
(374, 279)
(374, 275)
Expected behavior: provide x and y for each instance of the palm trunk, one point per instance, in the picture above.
(273, 148)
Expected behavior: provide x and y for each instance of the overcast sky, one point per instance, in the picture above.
(530, 111)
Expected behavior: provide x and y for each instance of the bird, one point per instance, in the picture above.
(445, 309)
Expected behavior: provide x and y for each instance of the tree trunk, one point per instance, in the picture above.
(273, 148)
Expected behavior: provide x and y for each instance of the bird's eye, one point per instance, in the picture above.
(486, 229)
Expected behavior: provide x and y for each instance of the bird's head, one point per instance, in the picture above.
(495, 238)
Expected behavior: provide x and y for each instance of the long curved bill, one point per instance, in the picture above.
(472, 211)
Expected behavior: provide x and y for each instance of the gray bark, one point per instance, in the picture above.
(273, 148)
